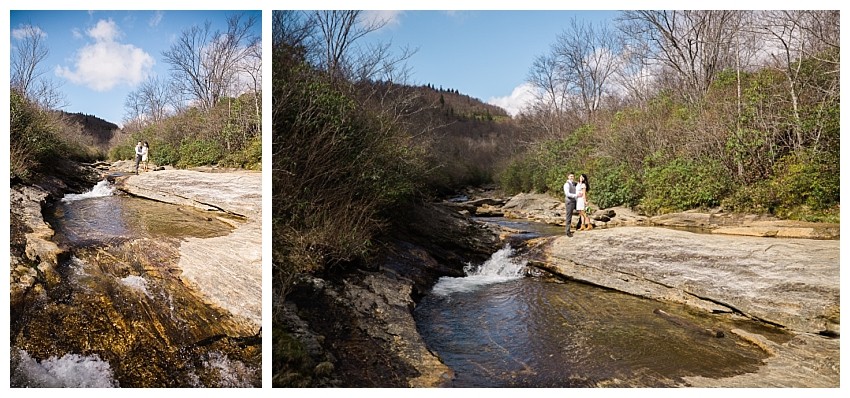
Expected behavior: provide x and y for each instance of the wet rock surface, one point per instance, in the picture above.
(226, 269)
(125, 300)
(34, 255)
(790, 283)
(363, 315)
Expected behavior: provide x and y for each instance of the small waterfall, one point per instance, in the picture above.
(101, 189)
(71, 370)
(501, 267)
(136, 282)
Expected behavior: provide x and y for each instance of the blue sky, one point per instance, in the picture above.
(99, 57)
(484, 54)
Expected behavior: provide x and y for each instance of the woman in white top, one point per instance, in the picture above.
(145, 155)
(582, 189)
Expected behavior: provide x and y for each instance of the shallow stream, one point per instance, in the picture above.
(498, 327)
(120, 315)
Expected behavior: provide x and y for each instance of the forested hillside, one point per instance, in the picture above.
(691, 109)
(100, 130)
(207, 111)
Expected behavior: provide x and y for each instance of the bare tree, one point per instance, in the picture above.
(205, 62)
(253, 68)
(150, 102)
(635, 76)
(697, 44)
(27, 72)
(339, 30)
(587, 58)
(291, 28)
(791, 37)
(29, 52)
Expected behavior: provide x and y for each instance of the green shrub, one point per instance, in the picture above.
(31, 135)
(612, 185)
(123, 151)
(544, 167)
(804, 186)
(198, 153)
(682, 184)
(250, 157)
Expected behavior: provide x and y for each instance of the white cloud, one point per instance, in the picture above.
(105, 31)
(107, 63)
(520, 98)
(25, 30)
(388, 17)
(155, 19)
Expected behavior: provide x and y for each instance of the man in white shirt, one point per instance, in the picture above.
(570, 201)
(139, 153)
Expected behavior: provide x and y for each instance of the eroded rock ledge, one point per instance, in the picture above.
(790, 283)
(227, 269)
(362, 313)
(34, 255)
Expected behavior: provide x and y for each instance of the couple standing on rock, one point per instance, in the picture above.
(141, 155)
(576, 199)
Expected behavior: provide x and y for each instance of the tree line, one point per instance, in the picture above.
(206, 111)
(673, 110)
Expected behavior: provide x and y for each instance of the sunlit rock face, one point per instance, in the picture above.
(790, 283)
(227, 270)
(118, 309)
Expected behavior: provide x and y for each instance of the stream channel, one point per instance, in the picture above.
(120, 315)
(507, 324)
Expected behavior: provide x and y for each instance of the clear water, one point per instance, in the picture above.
(119, 314)
(496, 328)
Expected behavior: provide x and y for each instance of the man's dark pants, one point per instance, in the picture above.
(571, 206)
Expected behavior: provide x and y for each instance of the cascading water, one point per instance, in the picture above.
(497, 328)
(101, 189)
(119, 314)
(501, 267)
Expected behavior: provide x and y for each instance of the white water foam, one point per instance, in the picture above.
(501, 267)
(77, 265)
(136, 282)
(101, 189)
(71, 370)
(231, 373)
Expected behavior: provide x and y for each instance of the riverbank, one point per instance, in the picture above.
(549, 210)
(779, 272)
(226, 269)
(172, 294)
(791, 284)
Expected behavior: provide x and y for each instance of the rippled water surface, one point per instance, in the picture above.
(89, 220)
(497, 328)
(117, 313)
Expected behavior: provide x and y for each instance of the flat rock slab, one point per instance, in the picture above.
(789, 282)
(238, 193)
(226, 269)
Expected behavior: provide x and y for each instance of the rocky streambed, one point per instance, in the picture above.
(355, 328)
(777, 272)
(149, 293)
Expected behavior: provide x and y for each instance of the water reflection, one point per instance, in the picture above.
(121, 315)
(518, 331)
